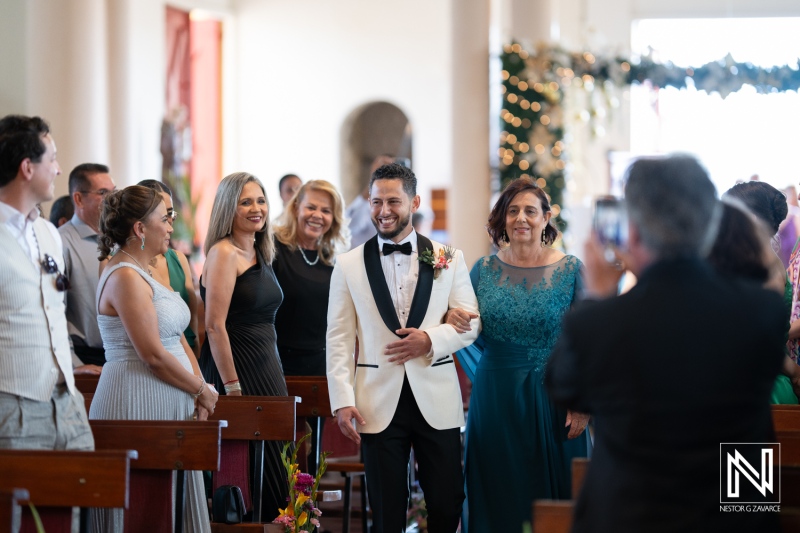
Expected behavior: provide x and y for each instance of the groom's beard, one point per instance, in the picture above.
(402, 224)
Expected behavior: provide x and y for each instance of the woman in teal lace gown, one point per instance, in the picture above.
(519, 445)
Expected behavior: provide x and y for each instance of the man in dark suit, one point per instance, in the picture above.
(681, 363)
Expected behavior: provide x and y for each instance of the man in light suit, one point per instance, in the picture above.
(404, 390)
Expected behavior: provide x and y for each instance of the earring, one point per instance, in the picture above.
(504, 236)
(142, 242)
(543, 238)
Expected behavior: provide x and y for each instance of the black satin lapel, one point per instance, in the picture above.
(377, 283)
(422, 294)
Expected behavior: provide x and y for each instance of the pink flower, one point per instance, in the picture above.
(315, 522)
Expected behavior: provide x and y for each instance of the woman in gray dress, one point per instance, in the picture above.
(151, 373)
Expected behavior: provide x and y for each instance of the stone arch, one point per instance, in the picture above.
(370, 130)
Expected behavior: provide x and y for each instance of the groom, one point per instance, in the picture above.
(404, 390)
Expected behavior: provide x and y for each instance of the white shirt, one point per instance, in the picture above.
(21, 227)
(401, 273)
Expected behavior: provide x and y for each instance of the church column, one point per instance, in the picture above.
(469, 193)
(136, 81)
(66, 78)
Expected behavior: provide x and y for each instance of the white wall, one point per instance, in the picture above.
(304, 65)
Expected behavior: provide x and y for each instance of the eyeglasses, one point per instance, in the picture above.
(51, 267)
(172, 214)
(100, 192)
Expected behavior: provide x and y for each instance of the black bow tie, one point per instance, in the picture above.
(404, 248)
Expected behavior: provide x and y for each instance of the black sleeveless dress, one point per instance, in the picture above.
(251, 330)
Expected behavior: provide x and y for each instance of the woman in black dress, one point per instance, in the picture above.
(241, 296)
(309, 234)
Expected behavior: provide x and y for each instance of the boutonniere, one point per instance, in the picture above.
(440, 262)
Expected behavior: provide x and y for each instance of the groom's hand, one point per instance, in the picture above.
(344, 417)
(416, 344)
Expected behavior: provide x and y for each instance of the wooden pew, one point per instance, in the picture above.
(162, 446)
(555, 516)
(258, 419)
(68, 479)
(786, 417)
(579, 467)
(316, 403)
(9, 506)
(86, 383)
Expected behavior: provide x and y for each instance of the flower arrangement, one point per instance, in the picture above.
(440, 262)
(301, 513)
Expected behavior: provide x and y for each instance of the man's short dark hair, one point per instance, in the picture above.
(20, 139)
(394, 171)
(284, 178)
(62, 208)
(79, 177)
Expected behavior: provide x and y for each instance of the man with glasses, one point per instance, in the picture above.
(40, 408)
(89, 183)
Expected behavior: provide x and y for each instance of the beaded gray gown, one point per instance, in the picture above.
(128, 390)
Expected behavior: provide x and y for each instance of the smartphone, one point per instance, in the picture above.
(611, 223)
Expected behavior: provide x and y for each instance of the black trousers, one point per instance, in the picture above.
(438, 454)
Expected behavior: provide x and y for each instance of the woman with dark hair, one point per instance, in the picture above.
(523, 291)
(171, 268)
(770, 206)
(151, 373)
(241, 296)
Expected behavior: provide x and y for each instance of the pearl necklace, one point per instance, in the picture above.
(309, 263)
(135, 261)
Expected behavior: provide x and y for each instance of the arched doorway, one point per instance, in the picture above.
(370, 130)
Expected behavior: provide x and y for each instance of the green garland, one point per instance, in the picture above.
(534, 83)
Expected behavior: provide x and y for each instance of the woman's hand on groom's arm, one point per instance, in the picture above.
(460, 319)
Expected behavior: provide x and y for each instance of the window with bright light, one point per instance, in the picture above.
(739, 136)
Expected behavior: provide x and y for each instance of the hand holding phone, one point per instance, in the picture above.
(611, 225)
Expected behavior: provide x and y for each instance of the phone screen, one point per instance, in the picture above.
(611, 222)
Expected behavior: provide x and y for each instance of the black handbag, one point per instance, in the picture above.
(227, 506)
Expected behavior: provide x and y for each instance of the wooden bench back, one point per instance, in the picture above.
(68, 479)
(9, 502)
(314, 393)
(86, 383)
(257, 417)
(786, 419)
(163, 444)
(579, 467)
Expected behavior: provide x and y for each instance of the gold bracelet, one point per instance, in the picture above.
(202, 388)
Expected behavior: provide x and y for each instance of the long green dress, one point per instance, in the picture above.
(517, 448)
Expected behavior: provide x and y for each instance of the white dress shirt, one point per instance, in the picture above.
(401, 273)
(21, 227)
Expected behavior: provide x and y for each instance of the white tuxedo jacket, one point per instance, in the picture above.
(360, 306)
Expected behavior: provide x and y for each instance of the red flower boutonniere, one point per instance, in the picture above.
(440, 262)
